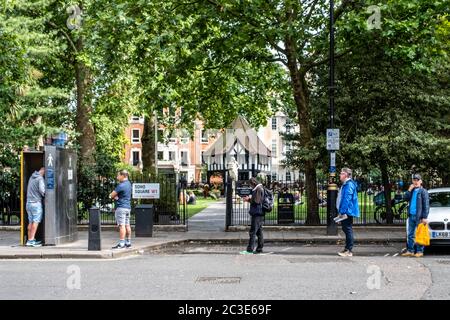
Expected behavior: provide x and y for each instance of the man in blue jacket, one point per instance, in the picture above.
(348, 208)
(418, 210)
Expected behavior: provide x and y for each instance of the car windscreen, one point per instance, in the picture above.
(440, 199)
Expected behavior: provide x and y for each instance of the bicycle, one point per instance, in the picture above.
(399, 208)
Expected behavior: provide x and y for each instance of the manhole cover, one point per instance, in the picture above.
(219, 280)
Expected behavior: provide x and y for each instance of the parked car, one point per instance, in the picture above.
(439, 217)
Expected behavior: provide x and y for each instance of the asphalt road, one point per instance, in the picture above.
(220, 272)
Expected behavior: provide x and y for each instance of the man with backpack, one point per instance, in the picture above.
(260, 203)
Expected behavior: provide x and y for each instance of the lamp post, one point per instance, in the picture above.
(332, 186)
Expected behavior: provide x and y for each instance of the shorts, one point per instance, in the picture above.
(35, 212)
(122, 216)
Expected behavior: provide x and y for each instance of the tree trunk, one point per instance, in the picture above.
(84, 127)
(387, 192)
(148, 145)
(300, 90)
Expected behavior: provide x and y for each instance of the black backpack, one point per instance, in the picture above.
(267, 204)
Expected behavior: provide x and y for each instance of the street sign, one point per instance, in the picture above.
(145, 190)
(332, 139)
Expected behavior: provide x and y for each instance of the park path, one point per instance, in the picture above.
(209, 219)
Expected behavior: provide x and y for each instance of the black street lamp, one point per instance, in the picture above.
(332, 186)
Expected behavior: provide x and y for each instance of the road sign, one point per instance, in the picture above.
(332, 139)
(145, 190)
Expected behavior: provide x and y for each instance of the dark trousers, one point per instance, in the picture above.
(347, 227)
(256, 231)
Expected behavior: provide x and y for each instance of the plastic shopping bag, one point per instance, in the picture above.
(422, 235)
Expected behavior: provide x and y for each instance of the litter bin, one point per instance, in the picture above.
(144, 220)
(286, 208)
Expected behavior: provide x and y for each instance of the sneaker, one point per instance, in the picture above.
(258, 252)
(119, 246)
(246, 252)
(346, 253)
(418, 255)
(128, 244)
(33, 243)
(407, 254)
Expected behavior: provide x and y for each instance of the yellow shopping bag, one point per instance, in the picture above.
(422, 235)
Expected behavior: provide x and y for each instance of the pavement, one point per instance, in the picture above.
(206, 227)
(10, 248)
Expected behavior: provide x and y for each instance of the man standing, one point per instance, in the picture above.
(418, 210)
(257, 216)
(122, 195)
(348, 208)
(35, 195)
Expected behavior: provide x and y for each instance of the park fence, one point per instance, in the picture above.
(291, 205)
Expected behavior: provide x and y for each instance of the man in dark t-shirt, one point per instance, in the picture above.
(122, 197)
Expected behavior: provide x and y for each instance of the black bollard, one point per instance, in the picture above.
(94, 239)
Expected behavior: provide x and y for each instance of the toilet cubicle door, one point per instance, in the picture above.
(30, 162)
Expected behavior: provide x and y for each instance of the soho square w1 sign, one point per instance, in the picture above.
(145, 190)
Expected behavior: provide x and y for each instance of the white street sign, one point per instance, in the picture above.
(332, 139)
(145, 190)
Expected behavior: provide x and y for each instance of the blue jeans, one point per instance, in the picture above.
(411, 245)
(347, 227)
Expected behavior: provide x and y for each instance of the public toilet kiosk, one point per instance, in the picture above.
(59, 223)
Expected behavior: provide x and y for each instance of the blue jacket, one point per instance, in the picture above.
(422, 203)
(349, 199)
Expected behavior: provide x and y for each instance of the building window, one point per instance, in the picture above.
(274, 176)
(136, 136)
(135, 118)
(288, 176)
(204, 136)
(288, 146)
(172, 155)
(136, 158)
(185, 137)
(160, 155)
(203, 157)
(274, 147)
(160, 135)
(288, 125)
(184, 158)
(274, 123)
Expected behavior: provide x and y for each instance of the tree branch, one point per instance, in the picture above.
(249, 21)
(314, 64)
(65, 34)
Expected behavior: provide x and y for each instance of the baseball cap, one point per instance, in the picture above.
(417, 176)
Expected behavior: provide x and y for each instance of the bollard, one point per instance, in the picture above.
(94, 239)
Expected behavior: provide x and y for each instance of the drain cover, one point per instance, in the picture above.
(219, 280)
